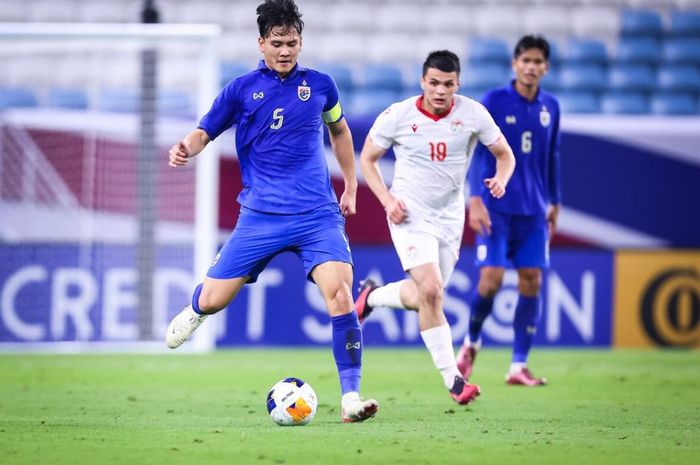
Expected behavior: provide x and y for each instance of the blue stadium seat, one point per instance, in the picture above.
(673, 104)
(624, 103)
(341, 74)
(175, 103)
(642, 50)
(685, 23)
(485, 76)
(16, 97)
(632, 78)
(118, 100)
(580, 77)
(586, 51)
(230, 70)
(641, 23)
(578, 102)
(370, 102)
(550, 81)
(678, 79)
(682, 51)
(485, 50)
(67, 98)
(382, 76)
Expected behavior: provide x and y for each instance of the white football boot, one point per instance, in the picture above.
(182, 327)
(359, 410)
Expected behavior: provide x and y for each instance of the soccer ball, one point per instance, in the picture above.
(291, 402)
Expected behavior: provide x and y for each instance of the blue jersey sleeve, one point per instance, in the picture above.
(224, 112)
(332, 111)
(553, 179)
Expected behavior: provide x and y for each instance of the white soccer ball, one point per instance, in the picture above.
(291, 402)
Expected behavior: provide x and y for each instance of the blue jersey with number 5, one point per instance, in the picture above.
(279, 136)
(532, 130)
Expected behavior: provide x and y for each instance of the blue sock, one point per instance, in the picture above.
(480, 309)
(347, 350)
(195, 299)
(527, 315)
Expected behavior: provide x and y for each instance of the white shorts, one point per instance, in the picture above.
(417, 243)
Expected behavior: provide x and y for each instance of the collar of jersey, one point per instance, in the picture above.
(433, 117)
(297, 69)
(511, 89)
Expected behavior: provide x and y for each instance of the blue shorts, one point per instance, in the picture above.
(517, 239)
(316, 237)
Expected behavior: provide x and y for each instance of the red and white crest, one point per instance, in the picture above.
(304, 93)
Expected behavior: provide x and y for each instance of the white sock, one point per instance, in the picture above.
(389, 295)
(438, 340)
(349, 397)
(516, 367)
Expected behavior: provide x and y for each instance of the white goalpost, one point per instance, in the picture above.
(101, 242)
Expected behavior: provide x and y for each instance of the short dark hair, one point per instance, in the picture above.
(278, 13)
(444, 60)
(531, 41)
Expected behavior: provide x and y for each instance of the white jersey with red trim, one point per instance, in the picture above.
(433, 154)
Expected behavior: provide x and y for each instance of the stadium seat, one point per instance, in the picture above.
(552, 21)
(503, 21)
(602, 22)
(685, 23)
(67, 98)
(578, 102)
(351, 17)
(485, 76)
(341, 74)
(678, 79)
(118, 100)
(175, 103)
(16, 97)
(483, 50)
(632, 78)
(445, 19)
(674, 104)
(439, 41)
(641, 50)
(399, 19)
(550, 81)
(381, 76)
(624, 103)
(230, 70)
(682, 51)
(586, 51)
(580, 77)
(641, 23)
(402, 48)
(370, 102)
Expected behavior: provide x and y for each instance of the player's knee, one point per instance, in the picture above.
(529, 282)
(431, 292)
(489, 287)
(342, 298)
(211, 302)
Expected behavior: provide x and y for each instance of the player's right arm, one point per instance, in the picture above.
(369, 164)
(187, 148)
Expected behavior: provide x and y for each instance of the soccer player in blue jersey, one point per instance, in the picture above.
(516, 228)
(287, 201)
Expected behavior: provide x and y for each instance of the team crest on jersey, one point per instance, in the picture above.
(545, 117)
(457, 126)
(304, 91)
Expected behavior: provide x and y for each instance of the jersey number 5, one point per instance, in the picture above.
(438, 151)
(278, 118)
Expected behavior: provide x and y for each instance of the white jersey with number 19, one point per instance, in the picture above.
(433, 154)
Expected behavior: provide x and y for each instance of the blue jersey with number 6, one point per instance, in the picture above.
(279, 136)
(532, 130)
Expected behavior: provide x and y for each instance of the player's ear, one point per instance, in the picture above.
(261, 43)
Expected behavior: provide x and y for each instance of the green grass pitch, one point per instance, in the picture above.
(612, 407)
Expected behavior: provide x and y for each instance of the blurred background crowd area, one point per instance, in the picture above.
(608, 56)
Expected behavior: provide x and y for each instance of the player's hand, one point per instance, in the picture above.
(396, 210)
(479, 218)
(347, 203)
(496, 187)
(179, 155)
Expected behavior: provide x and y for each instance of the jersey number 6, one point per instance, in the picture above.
(438, 151)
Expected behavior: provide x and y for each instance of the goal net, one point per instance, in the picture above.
(100, 241)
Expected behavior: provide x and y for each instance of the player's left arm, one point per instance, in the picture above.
(341, 143)
(554, 182)
(505, 165)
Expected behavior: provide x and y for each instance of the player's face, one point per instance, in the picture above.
(439, 89)
(280, 49)
(529, 67)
